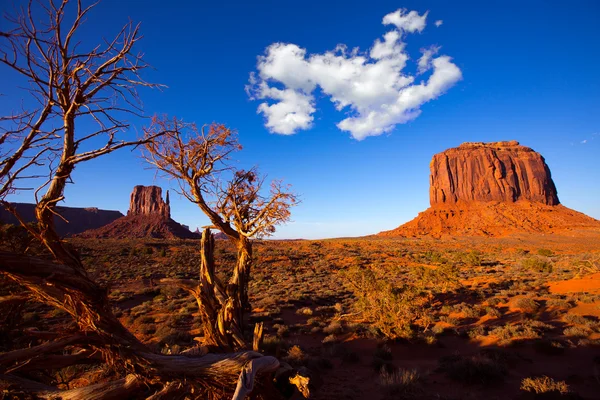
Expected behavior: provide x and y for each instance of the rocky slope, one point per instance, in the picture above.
(492, 189)
(149, 216)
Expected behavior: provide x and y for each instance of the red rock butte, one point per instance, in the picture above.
(492, 189)
(149, 216)
(147, 200)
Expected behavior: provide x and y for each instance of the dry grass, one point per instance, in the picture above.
(544, 384)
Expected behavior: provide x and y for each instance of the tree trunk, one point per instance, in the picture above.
(220, 310)
(241, 274)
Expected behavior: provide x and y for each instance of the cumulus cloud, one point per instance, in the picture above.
(409, 22)
(438, 23)
(370, 87)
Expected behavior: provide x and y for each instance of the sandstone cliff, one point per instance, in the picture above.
(147, 200)
(500, 171)
(492, 189)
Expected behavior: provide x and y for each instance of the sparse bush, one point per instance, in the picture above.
(545, 252)
(527, 304)
(492, 312)
(536, 264)
(544, 384)
(577, 331)
(282, 330)
(335, 327)
(273, 345)
(559, 303)
(402, 383)
(396, 310)
(295, 355)
(304, 311)
(473, 258)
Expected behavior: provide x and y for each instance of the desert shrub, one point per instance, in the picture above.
(528, 329)
(402, 383)
(434, 257)
(282, 330)
(399, 310)
(476, 369)
(338, 307)
(536, 264)
(559, 303)
(146, 320)
(438, 329)
(274, 345)
(476, 332)
(470, 311)
(164, 330)
(449, 320)
(493, 312)
(577, 331)
(494, 301)
(544, 384)
(575, 319)
(473, 258)
(527, 304)
(295, 355)
(335, 327)
(304, 311)
(329, 339)
(545, 252)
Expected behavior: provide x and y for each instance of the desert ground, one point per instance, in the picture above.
(374, 317)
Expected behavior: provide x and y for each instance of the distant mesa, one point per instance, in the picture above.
(149, 216)
(74, 220)
(491, 189)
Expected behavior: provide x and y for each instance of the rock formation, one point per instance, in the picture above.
(148, 217)
(147, 200)
(501, 171)
(491, 189)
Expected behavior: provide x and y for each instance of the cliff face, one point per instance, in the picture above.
(79, 219)
(147, 200)
(484, 172)
(491, 189)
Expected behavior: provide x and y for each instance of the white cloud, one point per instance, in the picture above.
(584, 141)
(424, 63)
(438, 23)
(409, 22)
(370, 87)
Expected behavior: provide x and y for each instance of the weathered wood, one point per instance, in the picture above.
(7, 359)
(115, 390)
(258, 336)
(245, 382)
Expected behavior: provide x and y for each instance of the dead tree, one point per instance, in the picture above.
(70, 84)
(198, 160)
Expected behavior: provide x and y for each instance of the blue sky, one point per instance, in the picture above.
(528, 72)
